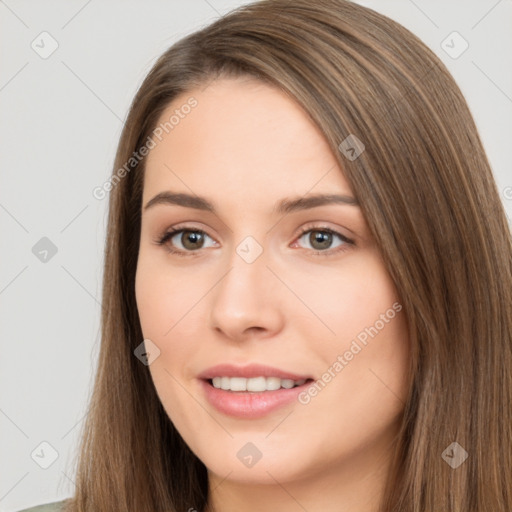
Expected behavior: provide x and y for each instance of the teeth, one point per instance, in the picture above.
(254, 384)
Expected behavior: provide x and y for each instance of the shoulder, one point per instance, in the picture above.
(56, 506)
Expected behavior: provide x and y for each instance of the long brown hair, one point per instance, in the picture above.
(427, 192)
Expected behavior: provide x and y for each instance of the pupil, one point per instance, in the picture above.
(191, 236)
(324, 238)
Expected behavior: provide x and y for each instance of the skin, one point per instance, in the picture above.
(245, 147)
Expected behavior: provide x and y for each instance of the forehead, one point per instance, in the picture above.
(244, 139)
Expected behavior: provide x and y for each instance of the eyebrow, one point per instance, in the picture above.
(284, 206)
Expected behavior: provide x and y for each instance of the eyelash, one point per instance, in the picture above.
(329, 252)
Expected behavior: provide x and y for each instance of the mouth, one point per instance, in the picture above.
(248, 400)
(254, 385)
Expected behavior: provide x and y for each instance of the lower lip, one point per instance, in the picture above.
(250, 405)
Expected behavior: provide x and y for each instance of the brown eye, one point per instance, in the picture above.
(183, 241)
(321, 241)
(192, 239)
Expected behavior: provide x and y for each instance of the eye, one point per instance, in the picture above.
(190, 240)
(321, 240)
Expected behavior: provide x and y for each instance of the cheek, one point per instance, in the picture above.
(350, 298)
(163, 298)
(361, 307)
(163, 302)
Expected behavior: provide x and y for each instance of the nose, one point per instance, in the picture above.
(248, 301)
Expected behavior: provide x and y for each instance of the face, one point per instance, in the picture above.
(259, 278)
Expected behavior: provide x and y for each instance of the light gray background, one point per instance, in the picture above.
(60, 122)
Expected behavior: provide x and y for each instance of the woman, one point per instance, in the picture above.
(307, 281)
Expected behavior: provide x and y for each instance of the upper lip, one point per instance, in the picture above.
(248, 371)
